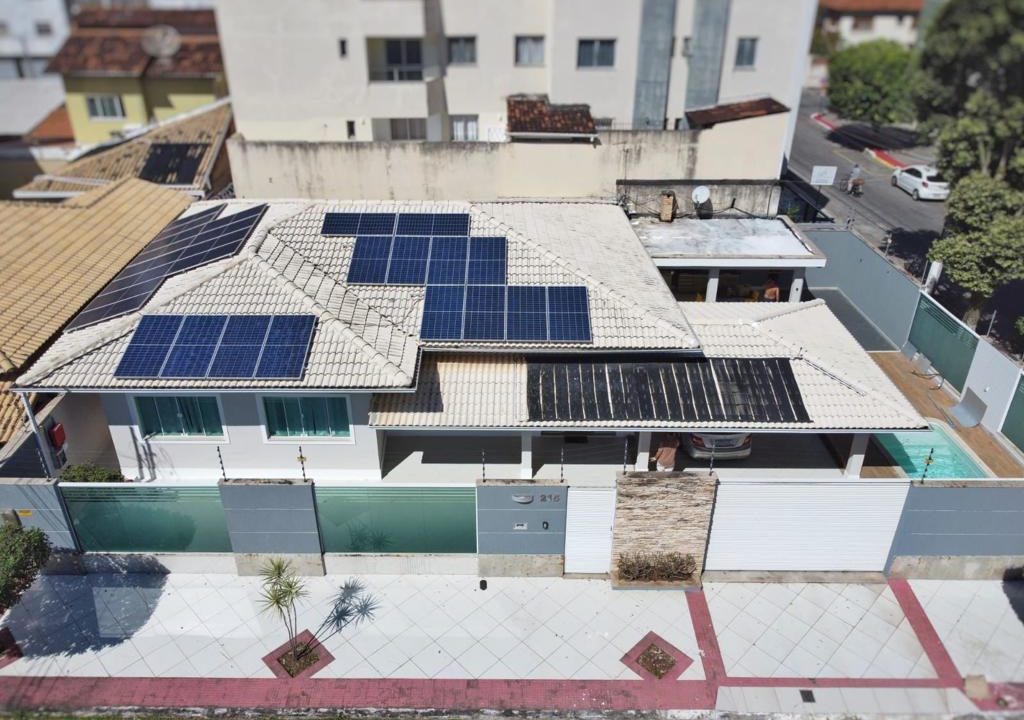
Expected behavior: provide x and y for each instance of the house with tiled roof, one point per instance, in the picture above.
(123, 68)
(458, 385)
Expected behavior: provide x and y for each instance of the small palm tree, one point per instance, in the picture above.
(282, 590)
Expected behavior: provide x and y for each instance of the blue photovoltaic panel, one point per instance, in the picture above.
(201, 330)
(188, 361)
(284, 354)
(149, 346)
(377, 224)
(486, 261)
(448, 261)
(568, 314)
(340, 223)
(451, 224)
(370, 260)
(240, 346)
(157, 329)
(246, 330)
(485, 313)
(408, 260)
(527, 313)
(220, 238)
(291, 330)
(415, 224)
(442, 312)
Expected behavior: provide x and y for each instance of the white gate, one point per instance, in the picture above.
(804, 525)
(590, 515)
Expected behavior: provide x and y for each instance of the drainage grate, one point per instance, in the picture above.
(807, 696)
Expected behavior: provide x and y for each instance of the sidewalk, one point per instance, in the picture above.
(440, 642)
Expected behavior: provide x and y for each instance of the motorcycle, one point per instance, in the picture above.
(855, 187)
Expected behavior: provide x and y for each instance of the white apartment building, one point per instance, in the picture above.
(31, 32)
(337, 70)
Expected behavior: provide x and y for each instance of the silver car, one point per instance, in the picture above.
(922, 182)
(724, 446)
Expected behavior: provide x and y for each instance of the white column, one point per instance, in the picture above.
(934, 273)
(855, 462)
(526, 455)
(643, 452)
(44, 441)
(796, 290)
(712, 292)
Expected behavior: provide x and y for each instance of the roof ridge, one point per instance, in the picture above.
(790, 308)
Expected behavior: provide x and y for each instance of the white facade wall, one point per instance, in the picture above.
(22, 38)
(245, 448)
(900, 28)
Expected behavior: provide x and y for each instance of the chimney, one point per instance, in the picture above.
(667, 208)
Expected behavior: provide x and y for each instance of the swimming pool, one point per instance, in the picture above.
(910, 450)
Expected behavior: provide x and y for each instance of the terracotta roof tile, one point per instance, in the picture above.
(100, 54)
(728, 112)
(190, 22)
(54, 128)
(534, 114)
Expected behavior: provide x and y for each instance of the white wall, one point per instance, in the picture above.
(900, 28)
(21, 16)
(246, 451)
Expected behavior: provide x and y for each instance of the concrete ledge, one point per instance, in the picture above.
(310, 565)
(773, 576)
(521, 565)
(159, 563)
(958, 567)
(339, 564)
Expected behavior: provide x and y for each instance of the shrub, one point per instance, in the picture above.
(23, 553)
(656, 566)
(89, 473)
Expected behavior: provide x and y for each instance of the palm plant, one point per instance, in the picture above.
(282, 590)
(350, 607)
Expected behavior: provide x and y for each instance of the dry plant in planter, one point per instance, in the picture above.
(656, 567)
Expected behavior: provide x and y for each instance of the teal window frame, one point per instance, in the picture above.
(179, 416)
(315, 417)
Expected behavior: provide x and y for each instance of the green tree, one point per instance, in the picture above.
(89, 472)
(23, 553)
(868, 82)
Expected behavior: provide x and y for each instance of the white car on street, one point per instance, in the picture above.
(922, 182)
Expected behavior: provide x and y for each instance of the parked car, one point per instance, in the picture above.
(724, 446)
(922, 182)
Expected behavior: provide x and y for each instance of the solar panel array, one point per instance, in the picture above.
(218, 346)
(173, 163)
(467, 295)
(185, 244)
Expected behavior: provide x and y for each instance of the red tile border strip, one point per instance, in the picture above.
(1003, 697)
(324, 658)
(632, 657)
(937, 654)
(707, 641)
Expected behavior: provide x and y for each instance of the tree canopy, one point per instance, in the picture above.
(23, 553)
(868, 82)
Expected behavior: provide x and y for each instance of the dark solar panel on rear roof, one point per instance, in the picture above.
(485, 313)
(487, 264)
(173, 163)
(527, 313)
(448, 261)
(340, 224)
(415, 224)
(451, 224)
(377, 224)
(568, 314)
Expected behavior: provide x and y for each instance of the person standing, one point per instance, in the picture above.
(665, 457)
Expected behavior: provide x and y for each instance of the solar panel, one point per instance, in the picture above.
(284, 354)
(415, 224)
(486, 261)
(442, 312)
(451, 224)
(568, 314)
(448, 261)
(527, 313)
(408, 264)
(485, 313)
(377, 224)
(370, 260)
(149, 345)
(340, 224)
(184, 244)
(173, 163)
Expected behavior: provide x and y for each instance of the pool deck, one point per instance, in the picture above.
(935, 402)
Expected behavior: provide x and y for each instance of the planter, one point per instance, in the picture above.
(323, 657)
(653, 646)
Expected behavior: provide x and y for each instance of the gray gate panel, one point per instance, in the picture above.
(270, 518)
(511, 517)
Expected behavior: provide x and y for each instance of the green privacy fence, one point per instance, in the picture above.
(945, 342)
(1013, 425)
(397, 520)
(132, 518)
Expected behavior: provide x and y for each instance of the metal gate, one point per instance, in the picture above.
(590, 515)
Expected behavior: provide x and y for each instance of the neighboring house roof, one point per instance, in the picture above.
(534, 115)
(27, 101)
(109, 43)
(841, 386)
(368, 335)
(54, 128)
(199, 135)
(728, 112)
(871, 7)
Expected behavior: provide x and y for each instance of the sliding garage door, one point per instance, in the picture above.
(590, 515)
(823, 525)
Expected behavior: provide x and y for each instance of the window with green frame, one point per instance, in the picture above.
(307, 417)
(179, 416)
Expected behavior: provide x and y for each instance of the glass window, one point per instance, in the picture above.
(746, 52)
(863, 23)
(104, 106)
(462, 50)
(464, 127)
(408, 128)
(171, 416)
(530, 50)
(307, 417)
(603, 123)
(343, 48)
(595, 53)
(404, 60)
(44, 29)
(687, 46)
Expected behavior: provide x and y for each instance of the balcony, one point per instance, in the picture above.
(395, 59)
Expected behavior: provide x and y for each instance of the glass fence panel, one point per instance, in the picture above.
(397, 520)
(147, 519)
(945, 342)
(1013, 425)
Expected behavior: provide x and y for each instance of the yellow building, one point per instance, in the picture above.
(125, 68)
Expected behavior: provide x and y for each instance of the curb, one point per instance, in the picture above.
(879, 155)
(819, 118)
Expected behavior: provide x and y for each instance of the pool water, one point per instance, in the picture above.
(911, 449)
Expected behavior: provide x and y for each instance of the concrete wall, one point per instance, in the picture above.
(245, 448)
(38, 505)
(486, 171)
(512, 539)
(22, 38)
(753, 197)
(949, 531)
(88, 441)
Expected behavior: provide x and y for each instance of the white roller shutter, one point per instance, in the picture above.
(824, 525)
(590, 514)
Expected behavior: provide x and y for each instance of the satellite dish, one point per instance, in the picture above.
(161, 41)
(700, 195)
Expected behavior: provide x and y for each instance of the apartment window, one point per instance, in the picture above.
(343, 48)
(746, 52)
(465, 127)
(530, 50)
(408, 128)
(350, 129)
(687, 46)
(863, 23)
(105, 107)
(595, 53)
(461, 50)
(307, 417)
(404, 59)
(171, 416)
(44, 29)
(603, 123)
